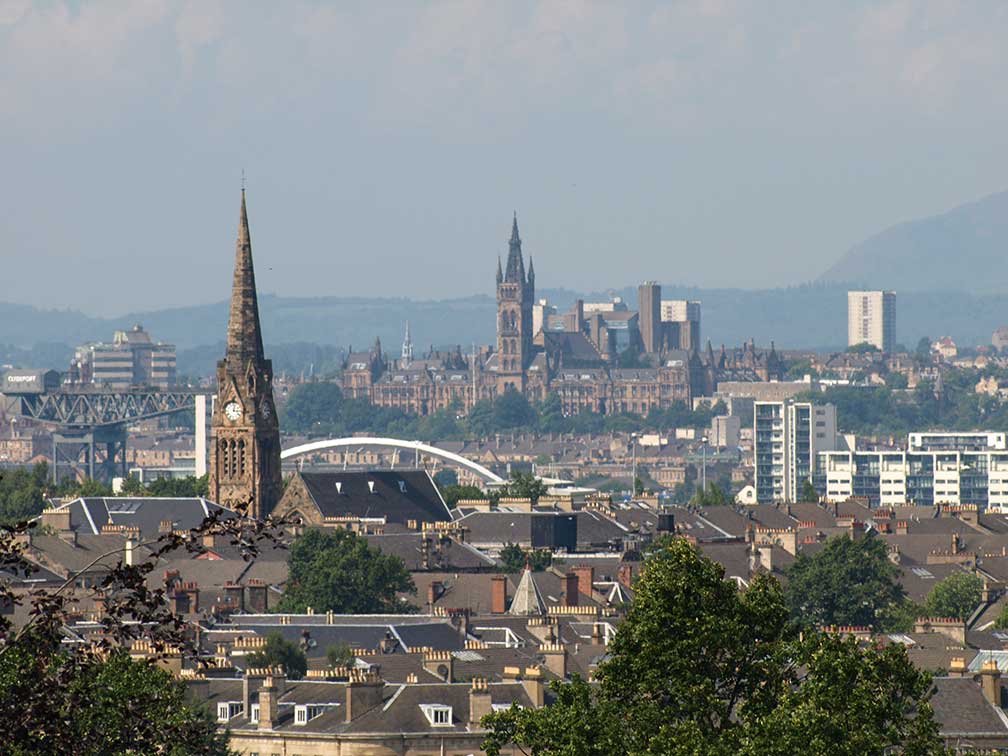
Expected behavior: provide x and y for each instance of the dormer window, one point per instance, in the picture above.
(402, 486)
(305, 713)
(228, 709)
(254, 713)
(438, 715)
(370, 485)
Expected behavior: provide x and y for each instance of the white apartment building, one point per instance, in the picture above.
(787, 439)
(936, 468)
(871, 319)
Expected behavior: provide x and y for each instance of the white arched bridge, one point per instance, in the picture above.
(394, 443)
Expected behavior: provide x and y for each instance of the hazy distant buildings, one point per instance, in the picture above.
(787, 438)
(650, 316)
(131, 359)
(871, 319)
(681, 322)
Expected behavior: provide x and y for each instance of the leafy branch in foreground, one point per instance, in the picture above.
(61, 694)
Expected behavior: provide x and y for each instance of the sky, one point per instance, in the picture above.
(386, 144)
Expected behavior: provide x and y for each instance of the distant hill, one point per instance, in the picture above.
(962, 250)
(301, 333)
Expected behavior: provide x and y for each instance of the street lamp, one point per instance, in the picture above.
(703, 466)
(633, 481)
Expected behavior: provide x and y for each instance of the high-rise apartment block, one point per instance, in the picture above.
(131, 359)
(681, 321)
(788, 436)
(937, 468)
(871, 319)
(649, 317)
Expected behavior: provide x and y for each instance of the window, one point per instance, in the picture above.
(438, 715)
(254, 713)
(300, 714)
(228, 709)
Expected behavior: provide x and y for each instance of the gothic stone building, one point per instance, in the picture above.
(571, 363)
(245, 436)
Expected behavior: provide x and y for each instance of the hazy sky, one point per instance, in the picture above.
(703, 142)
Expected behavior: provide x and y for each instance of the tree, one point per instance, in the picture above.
(131, 486)
(638, 486)
(514, 558)
(922, 353)
(863, 348)
(113, 706)
(312, 404)
(846, 583)
(699, 668)
(22, 492)
(454, 494)
(957, 596)
(712, 496)
(340, 655)
(512, 410)
(525, 486)
(809, 494)
(336, 570)
(89, 697)
(280, 652)
(182, 488)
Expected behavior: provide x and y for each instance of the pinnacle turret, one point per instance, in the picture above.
(244, 333)
(515, 272)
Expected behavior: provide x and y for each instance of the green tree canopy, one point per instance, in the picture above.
(524, 486)
(22, 492)
(280, 652)
(809, 493)
(712, 496)
(340, 655)
(513, 558)
(846, 583)
(337, 570)
(111, 707)
(957, 596)
(699, 668)
(454, 494)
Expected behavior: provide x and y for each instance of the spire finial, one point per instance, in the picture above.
(243, 181)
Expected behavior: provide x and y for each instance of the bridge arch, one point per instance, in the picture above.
(394, 443)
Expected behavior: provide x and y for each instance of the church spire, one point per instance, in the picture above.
(407, 349)
(244, 333)
(515, 265)
(500, 272)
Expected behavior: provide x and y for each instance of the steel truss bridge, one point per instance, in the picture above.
(89, 424)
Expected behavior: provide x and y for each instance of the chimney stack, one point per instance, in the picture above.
(498, 594)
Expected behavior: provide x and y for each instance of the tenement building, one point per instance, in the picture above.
(578, 355)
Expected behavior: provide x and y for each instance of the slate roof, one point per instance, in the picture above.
(397, 495)
(89, 514)
(961, 710)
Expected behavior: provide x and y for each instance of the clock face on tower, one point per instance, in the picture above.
(233, 411)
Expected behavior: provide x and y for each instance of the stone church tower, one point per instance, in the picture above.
(515, 295)
(245, 445)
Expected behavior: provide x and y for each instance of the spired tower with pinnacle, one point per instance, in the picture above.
(245, 435)
(515, 295)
